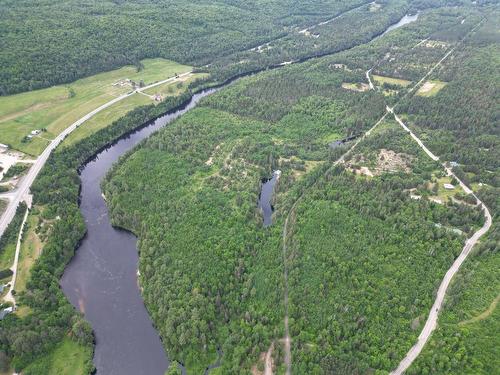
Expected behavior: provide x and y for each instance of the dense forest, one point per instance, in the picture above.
(212, 276)
(75, 39)
(202, 244)
(375, 289)
(213, 279)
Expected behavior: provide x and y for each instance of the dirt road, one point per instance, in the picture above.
(431, 323)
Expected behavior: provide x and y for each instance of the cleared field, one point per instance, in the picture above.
(113, 113)
(431, 88)
(393, 81)
(57, 107)
(361, 87)
(443, 194)
(171, 89)
(31, 248)
(68, 358)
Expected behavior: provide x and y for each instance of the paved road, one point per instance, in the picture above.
(431, 323)
(22, 190)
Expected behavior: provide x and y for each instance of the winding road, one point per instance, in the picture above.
(431, 323)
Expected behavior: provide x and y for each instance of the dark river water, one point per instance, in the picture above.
(101, 279)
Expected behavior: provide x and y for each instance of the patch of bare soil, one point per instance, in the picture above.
(390, 161)
(359, 87)
(387, 161)
(210, 160)
(435, 44)
(265, 364)
(427, 86)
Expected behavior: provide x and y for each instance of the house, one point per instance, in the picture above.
(35, 132)
(449, 186)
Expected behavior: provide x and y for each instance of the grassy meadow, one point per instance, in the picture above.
(393, 81)
(117, 110)
(68, 358)
(57, 107)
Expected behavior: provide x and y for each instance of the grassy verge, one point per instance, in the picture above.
(31, 249)
(68, 358)
(393, 81)
(57, 107)
(3, 205)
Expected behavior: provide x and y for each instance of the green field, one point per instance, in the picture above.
(117, 110)
(57, 107)
(170, 89)
(68, 358)
(31, 249)
(393, 81)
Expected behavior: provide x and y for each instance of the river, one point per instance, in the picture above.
(403, 21)
(101, 279)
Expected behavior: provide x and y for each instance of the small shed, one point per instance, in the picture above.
(449, 186)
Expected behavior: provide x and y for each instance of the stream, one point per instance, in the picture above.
(101, 279)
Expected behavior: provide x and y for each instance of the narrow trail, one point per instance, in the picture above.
(9, 297)
(289, 221)
(431, 322)
(291, 213)
(485, 314)
(268, 361)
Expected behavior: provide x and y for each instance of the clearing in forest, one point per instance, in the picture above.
(431, 88)
(56, 362)
(356, 86)
(393, 81)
